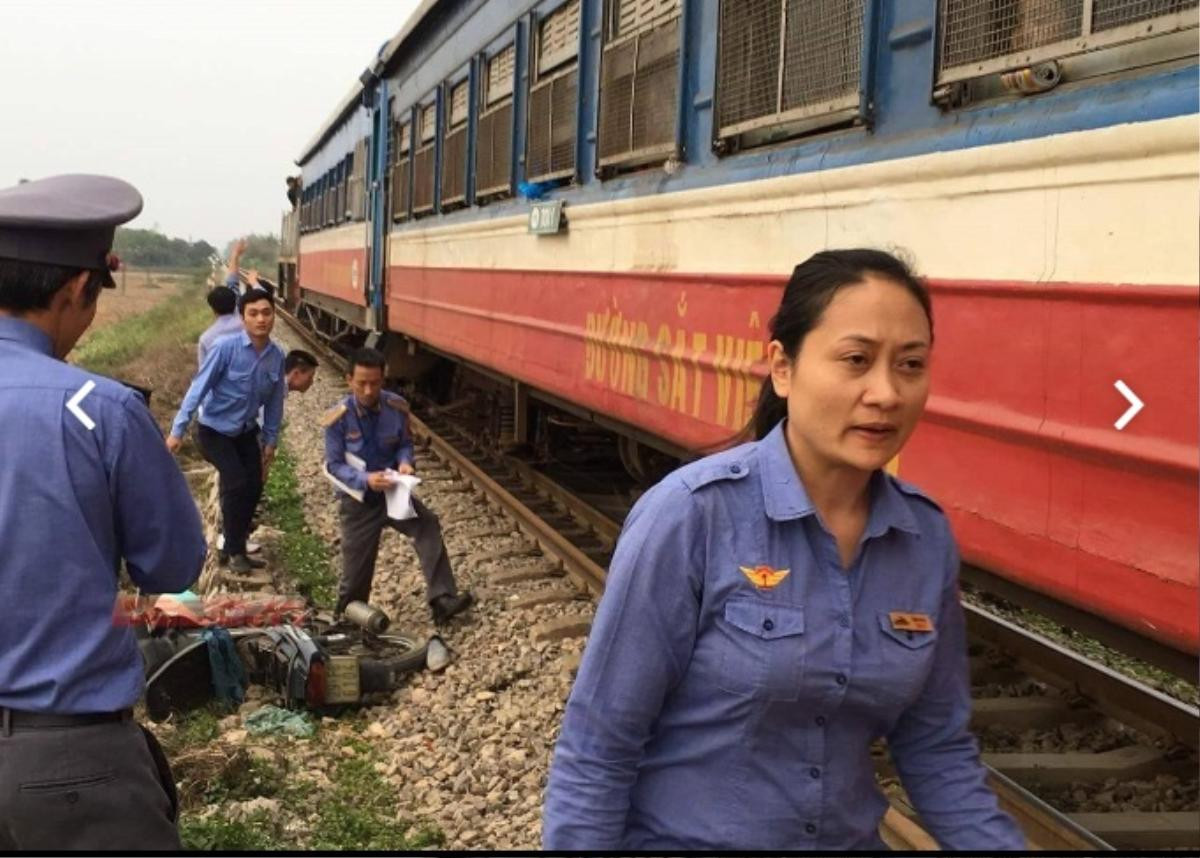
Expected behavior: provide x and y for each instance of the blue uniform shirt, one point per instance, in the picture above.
(230, 323)
(378, 436)
(85, 480)
(713, 711)
(233, 383)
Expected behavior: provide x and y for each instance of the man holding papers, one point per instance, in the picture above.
(369, 454)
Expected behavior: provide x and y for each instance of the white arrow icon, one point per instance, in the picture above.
(1135, 405)
(73, 405)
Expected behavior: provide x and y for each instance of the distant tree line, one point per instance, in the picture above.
(148, 248)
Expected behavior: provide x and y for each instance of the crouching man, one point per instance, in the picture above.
(371, 424)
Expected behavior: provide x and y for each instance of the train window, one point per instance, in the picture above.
(493, 137)
(454, 146)
(550, 149)
(1019, 43)
(639, 74)
(358, 180)
(786, 67)
(344, 170)
(400, 162)
(423, 162)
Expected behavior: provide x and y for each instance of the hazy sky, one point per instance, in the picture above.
(202, 104)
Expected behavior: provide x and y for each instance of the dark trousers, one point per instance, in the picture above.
(91, 787)
(362, 525)
(238, 461)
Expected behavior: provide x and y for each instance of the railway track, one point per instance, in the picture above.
(1027, 688)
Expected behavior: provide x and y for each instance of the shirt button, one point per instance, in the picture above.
(841, 679)
(810, 828)
(768, 625)
(820, 720)
(844, 621)
(735, 469)
(814, 772)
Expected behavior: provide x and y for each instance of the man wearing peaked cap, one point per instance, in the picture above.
(85, 486)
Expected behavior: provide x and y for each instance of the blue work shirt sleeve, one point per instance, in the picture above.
(936, 755)
(335, 458)
(208, 374)
(273, 412)
(404, 455)
(637, 652)
(158, 526)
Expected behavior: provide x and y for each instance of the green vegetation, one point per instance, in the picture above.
(361, 813)
(304, 553)
(180, 318)
(148, 248)
(198, 727)
(254, 833)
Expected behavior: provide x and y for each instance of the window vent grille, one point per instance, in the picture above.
(493, 138)
(500, 70)
(400, 166)
(428, 123)
(454, 146)
(635, 15)
(639, 81)
(424, 177)
(981, 37)
(358, 181)
(558, 40)
(783, 61)
(458, 104)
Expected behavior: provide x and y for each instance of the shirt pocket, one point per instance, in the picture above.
(266, 383)
(905, 660)
(763, 650)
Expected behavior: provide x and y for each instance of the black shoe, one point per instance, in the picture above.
(241, 563)
(446, 606)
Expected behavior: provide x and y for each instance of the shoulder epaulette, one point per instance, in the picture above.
(333, 415)
(705, 472)
(396, 401)
(912, 491)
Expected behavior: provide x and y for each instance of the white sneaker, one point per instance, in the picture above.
(251, 547)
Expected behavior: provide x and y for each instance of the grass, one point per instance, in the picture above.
(304, 553)
(181, 318)
(358, 813)
(361, 813)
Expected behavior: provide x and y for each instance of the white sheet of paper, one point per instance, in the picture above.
(338, 484)
(355, 462)
(399, 495)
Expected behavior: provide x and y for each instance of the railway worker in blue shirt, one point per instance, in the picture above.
(223, 302)
(371, 424)
(240, 374)
(84, 484)
(773, 609)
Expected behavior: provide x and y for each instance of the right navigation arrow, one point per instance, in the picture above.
(1135, 405)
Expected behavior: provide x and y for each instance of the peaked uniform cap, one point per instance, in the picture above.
(66, 220)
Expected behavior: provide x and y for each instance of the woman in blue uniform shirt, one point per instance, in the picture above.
(773, 609)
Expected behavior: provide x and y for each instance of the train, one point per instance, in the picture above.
(585, 211)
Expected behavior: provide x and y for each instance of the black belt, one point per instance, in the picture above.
(16, 719)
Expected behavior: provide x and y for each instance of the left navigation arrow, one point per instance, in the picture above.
(73, 405)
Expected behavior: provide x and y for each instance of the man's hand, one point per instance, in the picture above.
(404, 469)
(378, 481)
(173, 444)
(268, 456)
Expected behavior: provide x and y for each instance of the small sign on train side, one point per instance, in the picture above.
(546, 218)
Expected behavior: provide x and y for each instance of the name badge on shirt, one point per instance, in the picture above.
(353, 436)
(904, 622)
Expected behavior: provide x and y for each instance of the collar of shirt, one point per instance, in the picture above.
(363, 410)
(784, 496)
(27, 334)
